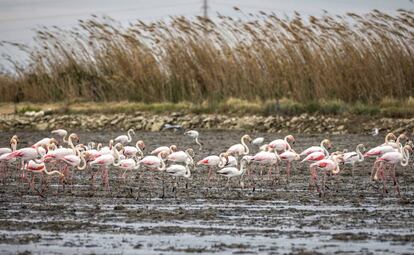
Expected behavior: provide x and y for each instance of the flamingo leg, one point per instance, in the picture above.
(395, 180)
(209, 174)
(288, 171)
(374, 170)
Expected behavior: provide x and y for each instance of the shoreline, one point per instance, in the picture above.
(147, 121)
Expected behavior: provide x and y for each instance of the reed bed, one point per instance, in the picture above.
(350, 58)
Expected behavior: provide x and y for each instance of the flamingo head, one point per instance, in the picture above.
(327, 143)
(247, 137)
(141, 144)
(390, 137)
(53, 141)
(173, 148)
(131, 131)
(81, 147)
(15, 137)
(13, 142)
(291, 139)
(190, 152)
(338, 156)
(74, 137)
(163, 154)
(361, 146)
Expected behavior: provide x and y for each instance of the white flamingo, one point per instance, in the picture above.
(194, 134)
(124, 139)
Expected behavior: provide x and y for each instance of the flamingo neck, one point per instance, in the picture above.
(246, 149)
(223, 160)
(360, 155)
(287, 143)
(162, 167)
(325, 151)
(129, 135)
(336, 170)
(199, 144)
(83, 162)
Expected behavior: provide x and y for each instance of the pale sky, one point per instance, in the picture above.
(19, 17)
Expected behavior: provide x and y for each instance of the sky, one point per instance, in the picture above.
(18, 18)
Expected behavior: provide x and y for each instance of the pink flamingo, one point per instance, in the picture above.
(7, 149)
(327, 165)
(4, 161)
(393, 158)
(240, 148)
(267, 158)
(289, 156)
(282, 144)
(39, 168)
(212, 161)
(75, 161)
(104, 161)
(320, 148)
(167, 150)
(25, 155)
(131, 151)
(182, 157)
(124, 139)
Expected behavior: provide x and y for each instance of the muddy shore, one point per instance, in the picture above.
(145, 121)
(275, 218)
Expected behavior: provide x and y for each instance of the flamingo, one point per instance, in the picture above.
(182, 156)
(393, 158)
(124, 139)
(177, 171)
(127, 164)
(7, 149)
(4, 157)
(258, 141)
(131, 151)
(71, 160)
(62, 133)
(327, 165)
(39, 168)
(167, 150)
(289, 156)
(194, 134)
(353, 157)
(154, 162)
(240, 148)
(282, 144)
(104, 161)
(211, 161)
(320, 148)
(45, 142)
(267, 158)
(230, 161)
(232, 172)
(61, 152)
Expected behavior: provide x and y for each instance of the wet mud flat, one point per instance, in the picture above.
(274, 218)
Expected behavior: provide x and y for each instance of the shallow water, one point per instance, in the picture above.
(209, 218)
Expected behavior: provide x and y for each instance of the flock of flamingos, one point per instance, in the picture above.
(64, 154)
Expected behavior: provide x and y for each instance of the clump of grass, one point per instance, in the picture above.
(349, 58)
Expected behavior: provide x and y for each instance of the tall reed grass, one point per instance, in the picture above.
(352, 58)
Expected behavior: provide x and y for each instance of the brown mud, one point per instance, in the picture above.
(275, 218)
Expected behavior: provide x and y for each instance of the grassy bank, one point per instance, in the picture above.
(348, 58)
(387, 107)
